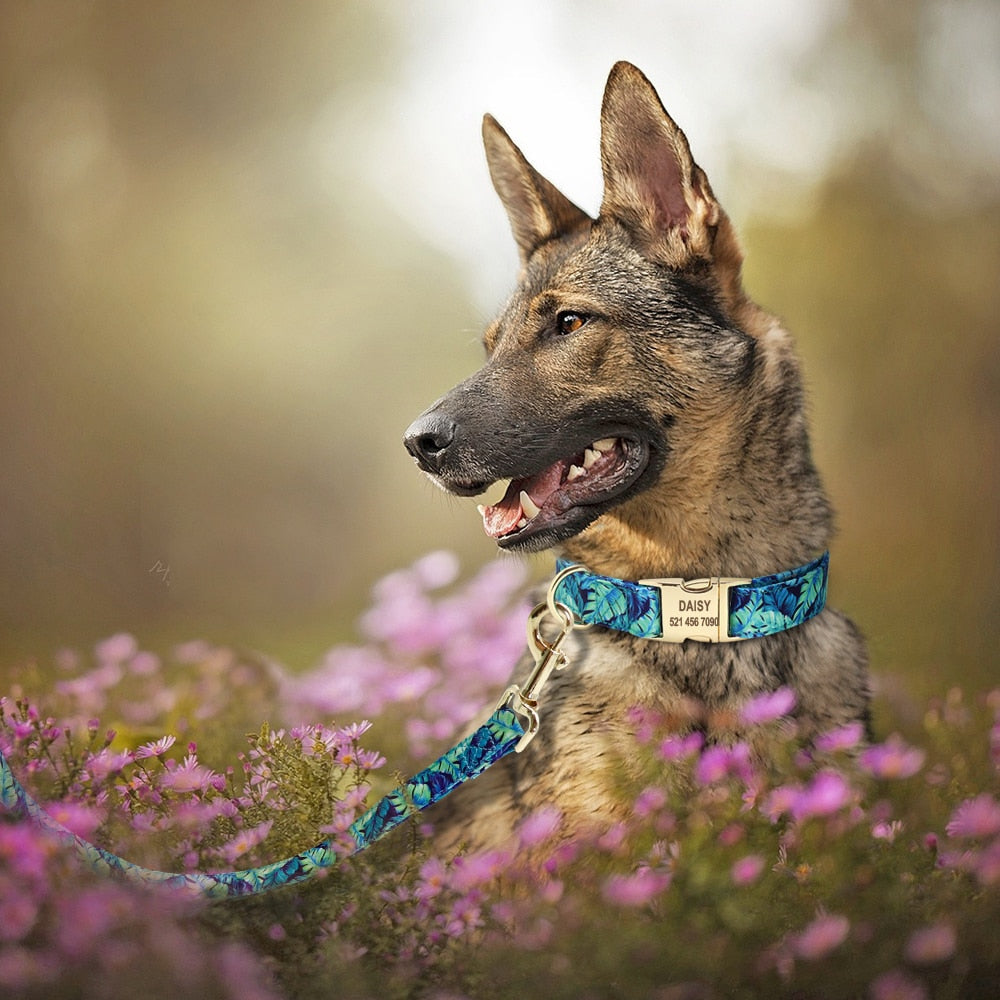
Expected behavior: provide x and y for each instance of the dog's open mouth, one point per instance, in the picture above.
(567, 495)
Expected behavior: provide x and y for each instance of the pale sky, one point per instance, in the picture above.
(742, 78)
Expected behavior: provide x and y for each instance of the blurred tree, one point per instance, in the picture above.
(889, 283)
(208, 343)
(896, 313)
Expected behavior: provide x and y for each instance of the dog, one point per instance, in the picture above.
(651, 420)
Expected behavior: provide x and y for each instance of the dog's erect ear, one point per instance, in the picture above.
(651, 183)
(537, 210)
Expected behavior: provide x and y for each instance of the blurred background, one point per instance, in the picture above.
(243, 244)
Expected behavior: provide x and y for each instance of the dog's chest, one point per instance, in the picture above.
(645, 672)
(607, 676)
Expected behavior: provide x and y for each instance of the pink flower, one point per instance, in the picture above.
(370, 760)
(827, 793)
(887, 830)
(353, 732)
(768, 706)
(411, 685)
(963, 861)
(156, 748)
(107, 762)
(349, 679)
(731, 834)
(144, 664)
(76, 817)
(245, 841)
(988, 864)
(561, 855)
(931, 944)
(892, 759)
(86, 917)
(316, 741)
(614, 838)
(643, 721)
(354, 799)
(720, 762)
(896, 985)
(974, 818)
(539, 826)
(27, 854)
(637, 889)
(466, 915)
(116, 649)
(747, 870)
(433, 878)
(187, 777)
(22, 730)
(420, 734)
(193, 651)
(649, 801)
(680, 747)
(473, 870)
(551, 891)
(436, 569)
(67, 660)
(826, 933)
(712, 766)
(781, 800)
(845, 738)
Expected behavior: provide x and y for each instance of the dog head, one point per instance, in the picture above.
(621, 351)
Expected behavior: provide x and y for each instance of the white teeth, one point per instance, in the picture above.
(523, 523)
(589, 457)
(528, 506)
(574, 473)
(605, 444)
(481, 509)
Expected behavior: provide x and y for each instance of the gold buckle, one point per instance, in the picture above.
(695, 609)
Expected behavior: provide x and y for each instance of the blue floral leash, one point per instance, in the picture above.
(672, 610)
(463, 762)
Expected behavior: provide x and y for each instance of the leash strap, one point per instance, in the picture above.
(714, 609)
(468, 759)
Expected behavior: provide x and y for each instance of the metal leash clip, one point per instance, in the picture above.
(548, 656)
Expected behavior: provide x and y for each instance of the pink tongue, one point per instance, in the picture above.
(505, 516)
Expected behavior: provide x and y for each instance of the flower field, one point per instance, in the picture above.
(844, 870)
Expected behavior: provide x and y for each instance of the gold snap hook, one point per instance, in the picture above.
(548, 656)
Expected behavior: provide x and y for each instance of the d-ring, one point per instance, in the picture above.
(556, 608)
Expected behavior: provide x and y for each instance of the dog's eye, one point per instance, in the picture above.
(569, 322)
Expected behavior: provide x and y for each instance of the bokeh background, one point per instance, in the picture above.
(244, 243)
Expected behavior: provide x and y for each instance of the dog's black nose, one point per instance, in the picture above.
(427, 439)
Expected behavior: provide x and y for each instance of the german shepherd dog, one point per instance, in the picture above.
(650, 418)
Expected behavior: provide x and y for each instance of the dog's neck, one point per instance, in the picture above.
(713, 532)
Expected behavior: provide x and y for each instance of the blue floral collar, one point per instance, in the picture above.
(714, 609)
